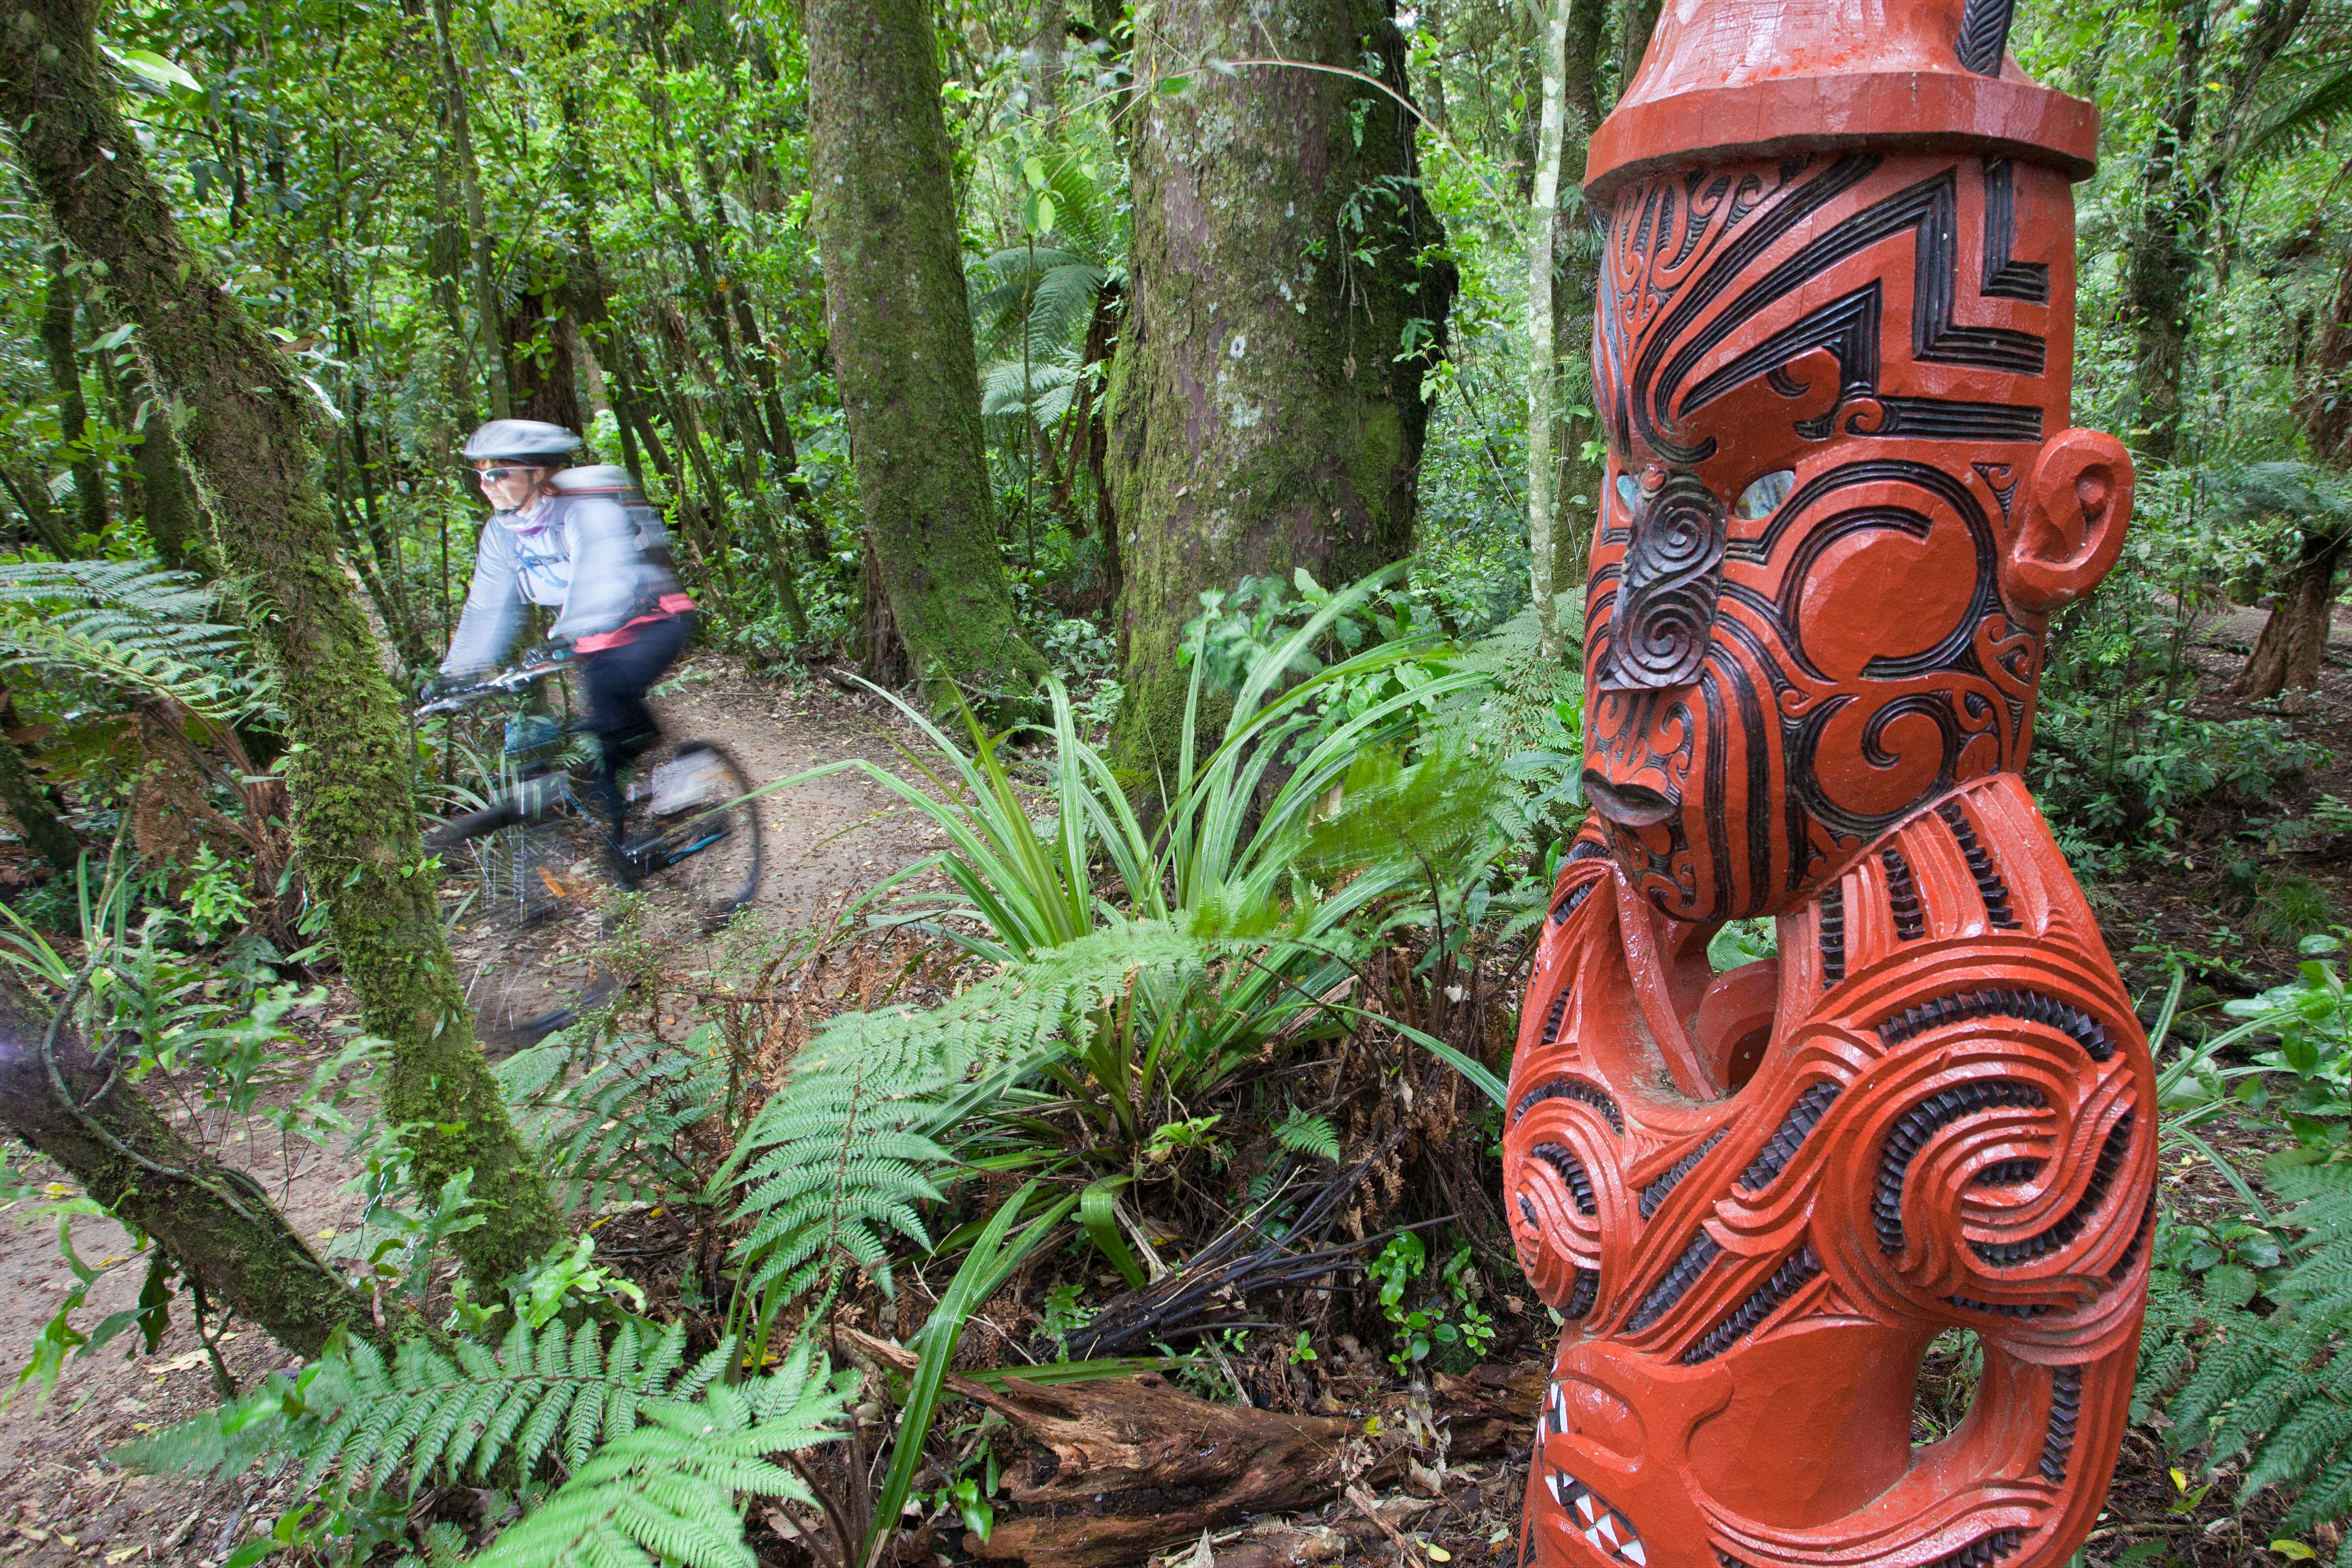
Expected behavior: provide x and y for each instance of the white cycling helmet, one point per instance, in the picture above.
(527, 441)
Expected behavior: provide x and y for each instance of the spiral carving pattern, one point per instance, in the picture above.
(1665, 611)
(1950, 1127)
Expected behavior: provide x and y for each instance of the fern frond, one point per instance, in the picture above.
(132, 625)
(1304, 1135)
(371, 1422)
(2276, 1389)
(667, 1491)
(859, 1135)
(620, 1131)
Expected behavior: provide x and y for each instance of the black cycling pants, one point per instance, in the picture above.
(617, 680)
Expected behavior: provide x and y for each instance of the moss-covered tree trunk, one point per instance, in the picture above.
(60, 347)
(902, 350)
(29, 804)
(216, 1221)
(167, 505)
(245, 439)
(1266, 403)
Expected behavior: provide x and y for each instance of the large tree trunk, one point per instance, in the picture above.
(1638, 20)
(1266, 403)
(489, 320)
(215, 1221)
(2294, 641)
(543, 382)
(902, 350)
(245, 435)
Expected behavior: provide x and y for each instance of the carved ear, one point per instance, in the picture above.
(2075, 508)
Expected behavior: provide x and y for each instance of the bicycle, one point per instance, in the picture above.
(700, 832)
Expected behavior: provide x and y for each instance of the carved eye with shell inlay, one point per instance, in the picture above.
(1763, 499)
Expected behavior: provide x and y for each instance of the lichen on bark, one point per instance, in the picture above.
(1289, 292)
(244, 432)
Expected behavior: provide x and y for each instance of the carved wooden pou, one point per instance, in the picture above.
(1833, 351)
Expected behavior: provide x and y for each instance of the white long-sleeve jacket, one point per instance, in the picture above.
(576, 552)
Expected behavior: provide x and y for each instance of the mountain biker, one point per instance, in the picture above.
(619, 607)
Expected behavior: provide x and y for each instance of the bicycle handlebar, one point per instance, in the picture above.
(503, 682)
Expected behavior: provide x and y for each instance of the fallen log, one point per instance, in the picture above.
(1129, 1467)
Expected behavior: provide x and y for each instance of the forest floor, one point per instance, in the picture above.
(61, 1499)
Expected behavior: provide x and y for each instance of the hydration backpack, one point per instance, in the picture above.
(605, 481)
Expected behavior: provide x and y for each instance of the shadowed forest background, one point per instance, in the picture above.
(1134, 464)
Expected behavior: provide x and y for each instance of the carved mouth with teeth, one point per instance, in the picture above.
(1604, 1528)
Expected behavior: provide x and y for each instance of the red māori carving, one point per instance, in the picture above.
(1833, 364)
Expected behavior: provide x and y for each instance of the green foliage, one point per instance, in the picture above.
(1302, 1133)
(2272, 1390)
(653, 1454)
(669, 1489)
(623, 1129)
(2309, 1081)
(881, 1107)
(547, 1393)
(132, 627)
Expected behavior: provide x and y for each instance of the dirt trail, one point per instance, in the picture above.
(60, 1499)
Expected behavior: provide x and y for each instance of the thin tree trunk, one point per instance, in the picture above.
(354, 821)
(2293, 642)
(167, 503)
(29, 804)
(901, 326)
(2159, 262)
(1543, 358)
(215, 1222)
(59, 346)
(1045, 60)
(1266, 403)
(489, 320)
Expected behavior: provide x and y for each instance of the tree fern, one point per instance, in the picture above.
(622, 1130)
(858, 1134)
(131, 625)
(2276, 1389)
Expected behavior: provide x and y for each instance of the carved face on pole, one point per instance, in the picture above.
(1832, 353)
(1842, 495)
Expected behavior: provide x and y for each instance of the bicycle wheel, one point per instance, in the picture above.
(698, 831)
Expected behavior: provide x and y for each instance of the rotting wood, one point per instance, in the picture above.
(1125, 1467)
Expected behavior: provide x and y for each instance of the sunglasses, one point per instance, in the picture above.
(492, 475)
